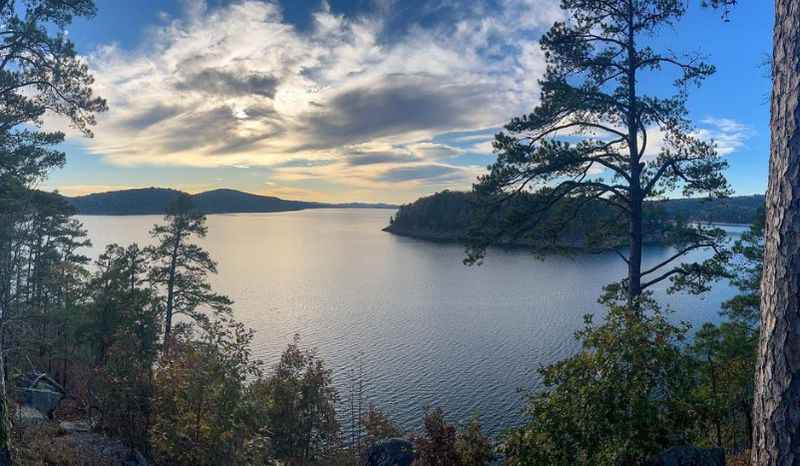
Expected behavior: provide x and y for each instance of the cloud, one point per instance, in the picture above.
(148, 117)
(229, 83)
(430, 150)
(347, 100)
(398, 105)
(729, 135)
(373, 158)
(417, 173)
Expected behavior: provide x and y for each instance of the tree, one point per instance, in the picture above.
(436, 446)
(473, 447)
(776, 430)
(39, 73)
(122, 318)
(590, 94)
(618, 401)
(181, 267)
(301, 406)
(205, 412)
(378, 426)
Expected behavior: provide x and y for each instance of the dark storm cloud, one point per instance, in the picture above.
(228, 83)
(397, 105)
(419, 172)
(151, 116)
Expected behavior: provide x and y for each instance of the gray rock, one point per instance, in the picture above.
(40, 392)
(690, 456)
(27, 415)
(390, 452)
(70, 427)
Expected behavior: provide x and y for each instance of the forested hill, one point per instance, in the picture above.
(155, 201)
(449, 215)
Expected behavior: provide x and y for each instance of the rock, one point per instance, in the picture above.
(39, 391)
(27, 415)
(104, 449)
(689, 456)
(70, 427)
(390, 452)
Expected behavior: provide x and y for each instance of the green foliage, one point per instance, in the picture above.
(450, 215)
(621, 399)
(40, 72)
(724, 356)
(180, 268)
(587, 140)
(473, 447)
(300, 403)
(204, 412)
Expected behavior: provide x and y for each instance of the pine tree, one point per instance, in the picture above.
(591, 139)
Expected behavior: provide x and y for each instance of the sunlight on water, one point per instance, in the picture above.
(425, 328)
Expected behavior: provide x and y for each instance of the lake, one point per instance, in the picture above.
(425, 329)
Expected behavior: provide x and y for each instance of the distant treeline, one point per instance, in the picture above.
(154, 201)
(455, 216)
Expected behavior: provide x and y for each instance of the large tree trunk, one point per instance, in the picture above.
(5, 417)
(776, 411)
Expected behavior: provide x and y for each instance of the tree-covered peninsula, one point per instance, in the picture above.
(451, 216)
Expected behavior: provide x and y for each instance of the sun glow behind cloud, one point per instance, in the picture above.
(337, 112)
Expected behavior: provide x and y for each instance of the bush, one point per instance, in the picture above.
(618, 401)
(205, 415)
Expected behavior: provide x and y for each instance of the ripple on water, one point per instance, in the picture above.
(425, 328)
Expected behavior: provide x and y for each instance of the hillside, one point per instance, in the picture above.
(155, 201)
(450, 215)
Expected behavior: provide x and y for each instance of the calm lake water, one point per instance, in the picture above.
(426, 329)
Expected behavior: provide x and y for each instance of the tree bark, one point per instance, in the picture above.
(776, 407)
(5, 417)
(171, 293)
(636, 196)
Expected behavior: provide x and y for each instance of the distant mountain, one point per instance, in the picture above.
(155, 201)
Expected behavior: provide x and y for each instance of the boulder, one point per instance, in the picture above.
(390, 452)
(29, 416)
(689, 456)
(40, 392)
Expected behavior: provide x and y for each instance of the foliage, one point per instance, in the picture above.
(180, 268)
(473, 447)
(587, 140)
(724, 355)
(122, 318)
(621, 399)
(436, 446)
(378, 426)
(300, 403)
(205, 415)
(442, 444)
(449, 215)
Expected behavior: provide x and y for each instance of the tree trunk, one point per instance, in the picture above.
(776, 407)
(636, 196)
(171, 294)
(5, 420)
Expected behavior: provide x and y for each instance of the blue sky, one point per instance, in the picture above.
(368, 100)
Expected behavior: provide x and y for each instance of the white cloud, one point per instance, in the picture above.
(239, 86)
(729, 135)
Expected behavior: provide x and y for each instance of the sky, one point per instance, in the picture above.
(360, 100)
